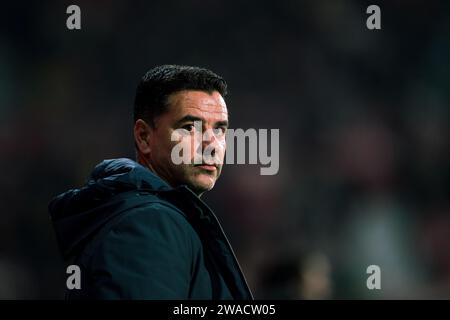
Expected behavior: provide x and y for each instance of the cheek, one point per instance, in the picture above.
(160, 138)
(190, 144)
(221, 148)
(186, 142)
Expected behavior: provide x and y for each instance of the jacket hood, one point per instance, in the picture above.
(78, 213)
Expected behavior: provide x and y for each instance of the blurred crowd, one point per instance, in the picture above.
(364, 137)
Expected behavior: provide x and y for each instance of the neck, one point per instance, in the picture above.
(144, 162)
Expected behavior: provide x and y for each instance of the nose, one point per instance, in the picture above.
(210, 140)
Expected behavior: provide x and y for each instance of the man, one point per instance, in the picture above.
(139, 230)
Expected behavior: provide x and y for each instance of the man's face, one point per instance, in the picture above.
(177, 123)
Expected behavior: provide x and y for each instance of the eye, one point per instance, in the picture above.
(220, 131)
(189, 127)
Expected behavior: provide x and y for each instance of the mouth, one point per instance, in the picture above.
(208, 167)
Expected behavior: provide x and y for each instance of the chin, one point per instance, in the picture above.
(202, 185)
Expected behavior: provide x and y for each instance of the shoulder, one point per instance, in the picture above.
(153, 224)
(149, 251)
(155, 212)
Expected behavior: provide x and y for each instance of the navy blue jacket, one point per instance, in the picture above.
(135, 237)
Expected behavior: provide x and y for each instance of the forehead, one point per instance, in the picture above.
(198, 103)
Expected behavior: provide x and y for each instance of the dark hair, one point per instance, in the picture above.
(160, 82)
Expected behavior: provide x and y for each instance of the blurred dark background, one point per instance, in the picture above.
(364, 136)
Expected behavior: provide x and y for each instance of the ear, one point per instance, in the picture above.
(142, 134)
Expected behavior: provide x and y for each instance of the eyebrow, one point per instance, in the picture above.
(222, 123)
(191, 118)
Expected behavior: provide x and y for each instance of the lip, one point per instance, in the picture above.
(208, 167)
